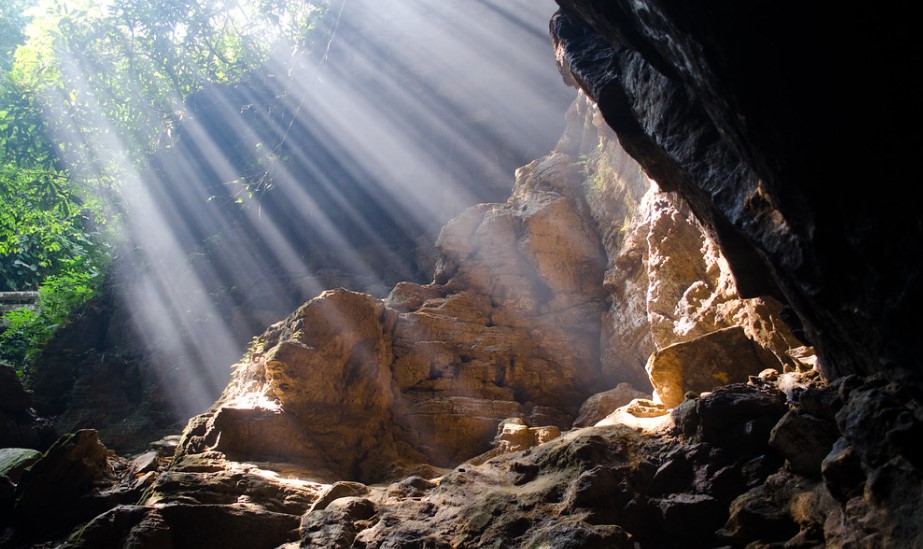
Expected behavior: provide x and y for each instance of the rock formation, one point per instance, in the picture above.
(540, 317)
(597, 362)
(511, 327)
(732, 108)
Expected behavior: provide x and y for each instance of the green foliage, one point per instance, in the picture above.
(117, 75)
(88, 90)
(60, 295)
(13, 20)
(45, 227)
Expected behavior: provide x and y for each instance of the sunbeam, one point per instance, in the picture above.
(335, 166)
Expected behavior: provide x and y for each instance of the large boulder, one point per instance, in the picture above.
(702, 364)
(66, 486)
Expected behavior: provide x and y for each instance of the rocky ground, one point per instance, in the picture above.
(782, 460)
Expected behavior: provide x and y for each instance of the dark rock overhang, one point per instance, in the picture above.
(789, 129)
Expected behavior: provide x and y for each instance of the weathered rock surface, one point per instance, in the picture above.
(521, 321)
(709, 473)
(510, 328)
(761, 160)
(602, 404)
(69, 484)
(702, 364)
(206, 501)
(666, 280)
(93, 374)
(13, 463)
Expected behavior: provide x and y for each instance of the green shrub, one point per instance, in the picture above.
(59, 297)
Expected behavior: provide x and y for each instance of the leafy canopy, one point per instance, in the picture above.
(88, 90)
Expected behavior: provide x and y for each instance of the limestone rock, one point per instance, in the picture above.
(577, 535)
(715, 359)
(614, 484)
(513, 435)
(691, 515)
(116, 396)
(144, 463)
(644, 408)
(184, 525)
(602, 404)
(667, 278)
(366, 389)
(533, 308)
(784, 510)
(412, 486)
(842, 471)
(13, 463)
(737, 416)
(204, 500)
(875, 467)
(449, 429)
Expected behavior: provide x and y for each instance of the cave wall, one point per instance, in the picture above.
(759, 114)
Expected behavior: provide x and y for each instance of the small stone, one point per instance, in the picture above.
(769, 375)
(702, 364)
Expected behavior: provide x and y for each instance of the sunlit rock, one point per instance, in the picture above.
(760, 164)
(602, 404)
(702, 364)
(513, 435)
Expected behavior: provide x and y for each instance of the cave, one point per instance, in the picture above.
(675, 312)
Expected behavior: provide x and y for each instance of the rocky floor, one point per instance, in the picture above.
(783, 460)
